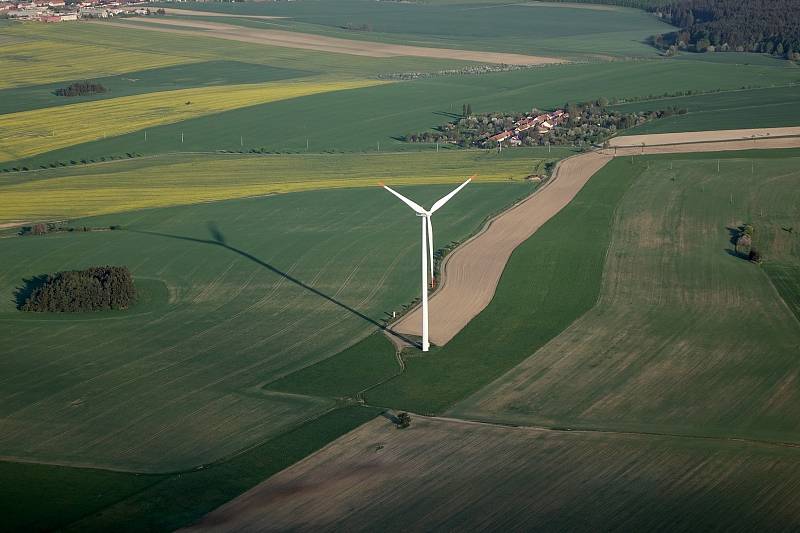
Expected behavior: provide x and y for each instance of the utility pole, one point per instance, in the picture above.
(717, 166)
(241, 140)
(306, 144)
(181, 137)
(437, 147)
(145, 135)
(379, 146)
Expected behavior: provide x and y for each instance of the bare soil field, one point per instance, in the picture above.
(196, 13)
(571, 5)
(322, 43)
(453, 476)
(751, 135)
(471, 273)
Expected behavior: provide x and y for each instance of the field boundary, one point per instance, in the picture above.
(460, 295)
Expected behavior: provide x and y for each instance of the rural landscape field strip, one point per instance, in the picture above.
(458, 475)
(33, 132)
(42, 61)
(471, 274)
(307, 41)
(163, 181)
(661, 350)
(257, 289)
(753, 135)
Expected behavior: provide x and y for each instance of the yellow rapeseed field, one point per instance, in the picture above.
(178, 180)
(28, 133)
(36, 62)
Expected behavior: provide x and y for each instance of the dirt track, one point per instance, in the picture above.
(196, 13)
(471, 273)
(704, 136)
(307, 41)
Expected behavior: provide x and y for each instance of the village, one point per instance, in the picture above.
(541, 124)
(49, 11)
(576, 124)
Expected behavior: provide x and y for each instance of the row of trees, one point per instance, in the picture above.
(93, 289)
(80, 88)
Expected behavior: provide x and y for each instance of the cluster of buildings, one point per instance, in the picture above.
(542, 124)
(60, 11)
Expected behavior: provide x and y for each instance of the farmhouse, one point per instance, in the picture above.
(543, 124)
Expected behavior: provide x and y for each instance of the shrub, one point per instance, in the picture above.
(93, 289)
(403, 420)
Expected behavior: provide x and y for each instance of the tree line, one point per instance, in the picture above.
(767, 26)
(80, 88)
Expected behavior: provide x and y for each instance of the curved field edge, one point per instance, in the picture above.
(537, 287)
(551, 279)
(665, 349)
(80, 499)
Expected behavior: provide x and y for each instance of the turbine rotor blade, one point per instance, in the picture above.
(430, 244)
(413, 205)
(441, 201)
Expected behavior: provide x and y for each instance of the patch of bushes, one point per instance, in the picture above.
(80, 88)
(93, 289)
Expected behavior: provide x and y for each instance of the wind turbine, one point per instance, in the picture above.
(427, 248)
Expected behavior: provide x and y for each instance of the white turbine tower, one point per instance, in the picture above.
(427, 249)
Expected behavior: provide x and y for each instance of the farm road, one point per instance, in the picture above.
(471, 273)
(307, 41)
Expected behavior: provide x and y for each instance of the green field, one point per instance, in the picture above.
(237, 294)
(739, 109)
(359, 119)
(187, 76)
(267, 261)
(535, 28)
(685, 337)
(80, 499)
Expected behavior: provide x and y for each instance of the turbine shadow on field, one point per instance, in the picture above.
(218, 239)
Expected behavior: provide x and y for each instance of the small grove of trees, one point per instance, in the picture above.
(93, 289)
(80, 88)
(743, 240)
(403, 420)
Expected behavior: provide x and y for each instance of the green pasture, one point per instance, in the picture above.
(533, 28)
(738, 109)
(360, 119)
(186, 76)
(235, 295)
(686, 336)
(80, 499)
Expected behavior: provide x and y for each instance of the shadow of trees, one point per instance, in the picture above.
(29, 286)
